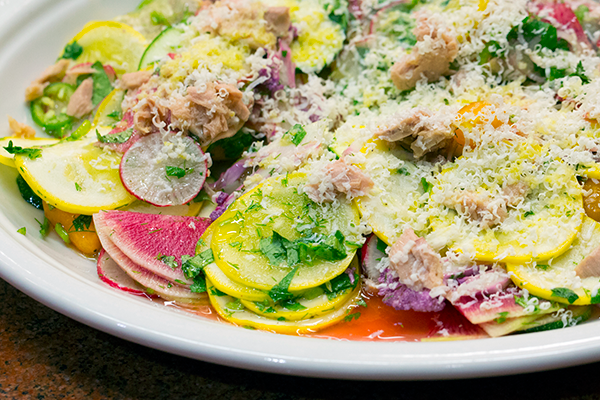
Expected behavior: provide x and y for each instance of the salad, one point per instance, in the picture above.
(330, 166)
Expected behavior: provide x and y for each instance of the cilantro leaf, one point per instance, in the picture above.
(82, 223)
(535, 31)
(297, 134)
(102, 84)
(273, 248)
(44, 227)
(175, 171)
(292, 305)
(304, 250)
(168, 260)
(426, 185)
(280, 291)
(565, 293)
(199, 285)
(29, 152)
(119, 137)
(580, 72)
(193, 266)
(72, 51)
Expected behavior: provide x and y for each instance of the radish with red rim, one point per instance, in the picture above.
(167, 170)
(112, 274)
(371, 254)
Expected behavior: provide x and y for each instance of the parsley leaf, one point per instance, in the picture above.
(102, 84)
(44, 227)
(29, 152)
(580, 72)
(565, 293)
(426, 185)
(304, 250)
(115, 115)
(119, 137)
(193, 266)
(72, 51)
(535, 31)
(82, 223)
(22, 231)
(280, 291)
(168, 260)
(199, 285)
(175, 171)
(297, 134)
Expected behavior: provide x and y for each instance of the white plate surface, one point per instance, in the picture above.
(32, 32)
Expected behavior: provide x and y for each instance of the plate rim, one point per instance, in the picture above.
(31, 270)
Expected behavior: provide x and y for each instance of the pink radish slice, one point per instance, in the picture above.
(164, 171)
(113, 275)
(143, 237)
(164, 288)
(477, 314)
(451, 324)
(370, 257)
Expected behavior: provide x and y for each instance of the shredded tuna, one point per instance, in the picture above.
(20, 129)
(133, 80)
(415, 262)
(51, 74)
(427, 131)
(430, 58)
(80, 103)
(590, 265)
(479, 207)
(278, 20)
(339, 177)
(216, 113)
(75, 72)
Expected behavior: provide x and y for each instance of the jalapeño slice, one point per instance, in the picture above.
(50, 110)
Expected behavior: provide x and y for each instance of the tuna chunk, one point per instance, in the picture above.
(590, 266)
(216, 113)
(427, 131)
(51, 74)
(339, 177)
(19, 129)
(75, 72)
(415, 262)
(134, 80)
(436, 48)
(479, 207)
(80, 103)
(515, 193)
(278, 20)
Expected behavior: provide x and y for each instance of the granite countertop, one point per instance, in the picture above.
(45, 355)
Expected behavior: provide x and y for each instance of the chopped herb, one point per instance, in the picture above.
(77, 187)
(304, 250)
(361, 303)
(82, 223)
(565, 293)
(580, 72)
(528, 213)
(44, 227)
(297, 134)
(29, 152)
(199, 285)
(216, 292)
(491, 50)
(426, 185)
(168, 260)
(22, 231)
(60, 230)
(175, 171)
(501, 317)
(193, 266)
(280, 291)
(102, 84)
(381, 245)
(119, 137)
(158, 18)
(284, 53)
(535, 31)
(580, 13)
(352, 316)
(115, 115)
(543, 267)
(72, 51)
(292, 305)
(403, 171)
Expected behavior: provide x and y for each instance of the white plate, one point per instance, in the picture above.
(31, 35)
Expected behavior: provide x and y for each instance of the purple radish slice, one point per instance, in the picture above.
(371, 254)
(232, 178)
(164, 171)
(144, 238)
(112, 274)
(480, 286)
(153, 283)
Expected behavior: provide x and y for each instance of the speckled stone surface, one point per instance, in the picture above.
(45, 355)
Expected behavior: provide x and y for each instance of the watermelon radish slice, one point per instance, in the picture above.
(164, 170)
(113, 275)
(371, 253)
(148, 239)
(153, 283)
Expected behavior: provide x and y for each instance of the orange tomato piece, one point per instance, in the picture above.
(471, 115)
(85, 240)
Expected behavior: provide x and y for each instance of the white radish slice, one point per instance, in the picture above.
(113, 275)
(370, 257)
(164, 288)
(164, 170)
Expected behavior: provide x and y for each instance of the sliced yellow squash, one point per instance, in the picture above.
(234, 311)
(277, 206)
(112, 43)
(9, 159)
(555, 279)
(109, 110)
(76, 176)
